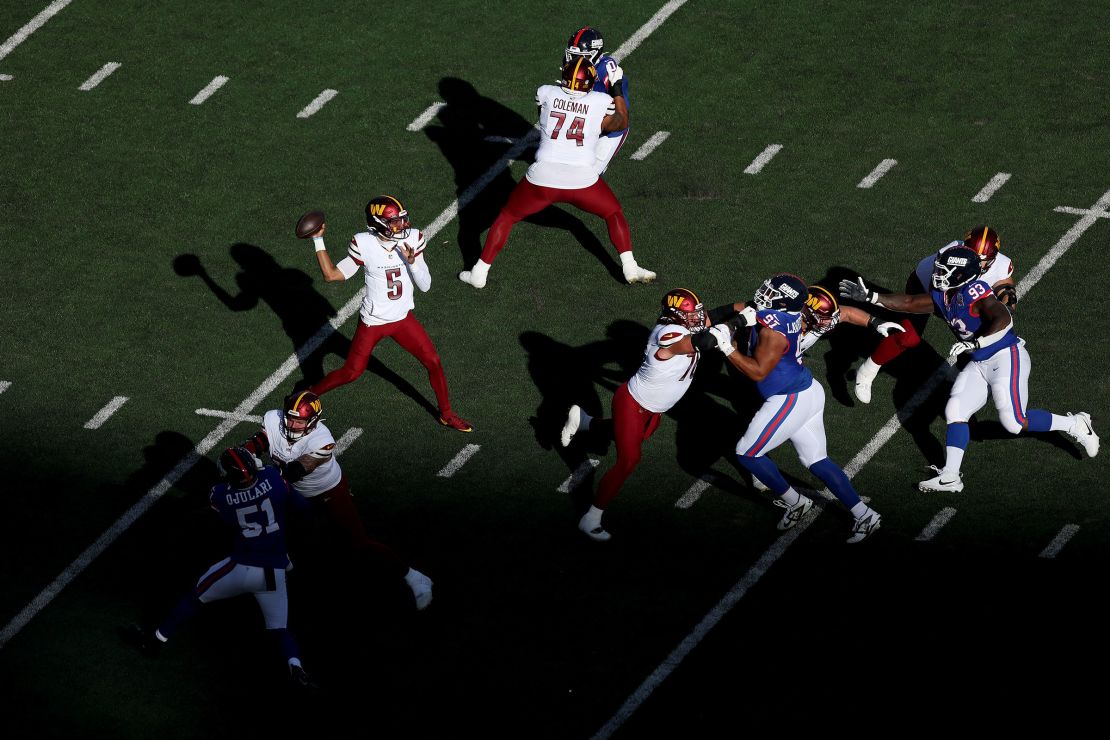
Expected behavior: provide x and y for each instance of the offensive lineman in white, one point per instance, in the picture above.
(572, 120)
(670, 359)
(392, 253)
(297, 440)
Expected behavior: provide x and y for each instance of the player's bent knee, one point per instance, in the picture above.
(1013, 426)
(907, 339)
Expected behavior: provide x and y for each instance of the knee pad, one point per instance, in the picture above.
(953, 413)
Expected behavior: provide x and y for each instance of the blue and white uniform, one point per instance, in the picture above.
(1002, 368)
(611, 142)
(793, 405)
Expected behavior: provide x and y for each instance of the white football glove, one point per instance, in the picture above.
(886, 327)
(960, 347)
(613, 73)
(724, 339)
(748, 316)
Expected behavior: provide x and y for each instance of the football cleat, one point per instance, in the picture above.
(468, 277)
(793, 513)
(864, 378)
(300, 679)
(635, 274)
(597, 533)
(421, 587)
(570, 428)
(864, 527)
(1083, 432)
(453, 420)
(942, 483)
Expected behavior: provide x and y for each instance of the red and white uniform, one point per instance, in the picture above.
(318, 443)
(659, 384)
(570, 128)
(390, 279)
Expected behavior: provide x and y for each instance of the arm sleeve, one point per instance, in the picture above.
(721, 314)
(348, 266)
(703, 341)
(421, 275)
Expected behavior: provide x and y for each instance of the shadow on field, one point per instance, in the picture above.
(474, 133)
(293, 298)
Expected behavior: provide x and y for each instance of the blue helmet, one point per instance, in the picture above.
(955, 267)
(585, 42)
(782, 292)
(238, 467)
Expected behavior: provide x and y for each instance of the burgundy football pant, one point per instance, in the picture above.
(632, 425)
(410, 334)
(339, 509)
(899, 341)
(527, 199)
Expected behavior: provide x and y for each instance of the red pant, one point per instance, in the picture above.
(632, 425)
(914, 325)
(410, 334)
(527, 199)
(337, 505)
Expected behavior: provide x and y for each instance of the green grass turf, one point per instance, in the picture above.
(535, 631)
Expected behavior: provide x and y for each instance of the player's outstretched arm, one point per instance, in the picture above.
(328, 269)
(858, 317)
(857, 290)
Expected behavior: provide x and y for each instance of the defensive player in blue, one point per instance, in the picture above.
(253, 500)
(793, 405)
(587, 42)
(999, 366)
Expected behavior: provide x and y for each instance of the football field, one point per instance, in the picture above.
(155, 303)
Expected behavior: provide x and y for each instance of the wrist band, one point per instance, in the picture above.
(319, 242)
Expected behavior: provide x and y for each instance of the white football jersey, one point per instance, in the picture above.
(658, 384)
(318, 443)
(1001, 269)
(570, 126)
(390, 279)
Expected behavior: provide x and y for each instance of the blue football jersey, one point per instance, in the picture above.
(963, 317)
(789, 375)
(258, 513)
(604, 66)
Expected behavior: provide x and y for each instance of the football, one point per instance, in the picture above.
(309, 224)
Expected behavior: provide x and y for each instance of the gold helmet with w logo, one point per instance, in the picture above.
(682, 306)
(300, 414)
(387, 217)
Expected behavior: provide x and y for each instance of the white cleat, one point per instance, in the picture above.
(574, 418)
(468, 277)
(598, 533)
(793, 513)
(865, 526)
(942, 483)
(637, 274)
(1083, 432)
(421, 587)
(864, 379)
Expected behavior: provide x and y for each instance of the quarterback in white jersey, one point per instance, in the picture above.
(997, 271)
(670, 359)
(391, 255)
(296, 439)
(572, 119)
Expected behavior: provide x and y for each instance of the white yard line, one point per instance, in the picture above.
(347, 439)
(991, 187)
(649, 146)
(426, 117)
(694, 492)
(99, 76)
(103, 415)
(938, 523)
(883, 167)
(458, 461)
(276, 378)
(761, 161)
(32, 25)
(230, 415)
(320, 101)
(779, 546)
(6, 78)
(1059, 541)
(575, 479)
(217, 82)
(5, 385)
(647, 29)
